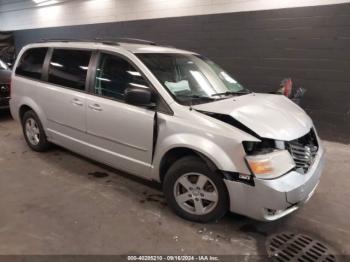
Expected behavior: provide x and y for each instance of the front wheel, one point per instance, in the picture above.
(194, 191)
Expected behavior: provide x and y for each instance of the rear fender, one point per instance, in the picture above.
(27, 101)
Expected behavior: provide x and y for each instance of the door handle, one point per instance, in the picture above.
(77, 102)
(95, 107)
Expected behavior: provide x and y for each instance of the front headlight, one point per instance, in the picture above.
(270, 165)
(262, 147)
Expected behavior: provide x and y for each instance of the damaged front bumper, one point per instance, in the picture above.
(271, 199)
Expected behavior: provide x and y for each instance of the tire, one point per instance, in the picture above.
(189, 196)
(33, 132)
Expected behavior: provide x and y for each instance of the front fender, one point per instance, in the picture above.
(228, 158)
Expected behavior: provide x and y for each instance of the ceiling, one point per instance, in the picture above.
(16, 5)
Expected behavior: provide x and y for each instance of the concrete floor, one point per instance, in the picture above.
(51, 203)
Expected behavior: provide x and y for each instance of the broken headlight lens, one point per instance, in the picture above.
(262, 147)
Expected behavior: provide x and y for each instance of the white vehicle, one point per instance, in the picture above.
(172, 116)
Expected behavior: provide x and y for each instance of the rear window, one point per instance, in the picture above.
(31, 63)
(69, 68)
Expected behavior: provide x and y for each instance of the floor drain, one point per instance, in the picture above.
(297, 247)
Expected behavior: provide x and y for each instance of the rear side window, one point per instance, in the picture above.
(69, 68)
(31, 63)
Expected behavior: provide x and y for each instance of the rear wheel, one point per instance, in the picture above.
(33, 132)
(194, 191)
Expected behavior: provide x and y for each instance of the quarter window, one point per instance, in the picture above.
(114, 74)
(69, 68)
(31, 63)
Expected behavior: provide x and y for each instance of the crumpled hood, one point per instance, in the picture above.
(269, 116)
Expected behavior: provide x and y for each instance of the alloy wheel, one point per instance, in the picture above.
(32, 131)
(196, 193)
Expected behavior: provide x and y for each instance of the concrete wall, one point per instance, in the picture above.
(310, 44)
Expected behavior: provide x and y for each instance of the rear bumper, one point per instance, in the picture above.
(271, 199)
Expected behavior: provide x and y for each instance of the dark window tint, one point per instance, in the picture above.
(114, 74)
(69, 68)
(31, 63)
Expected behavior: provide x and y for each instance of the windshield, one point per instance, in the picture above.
(191, 79)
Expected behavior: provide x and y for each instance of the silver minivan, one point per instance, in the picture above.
(172, 116)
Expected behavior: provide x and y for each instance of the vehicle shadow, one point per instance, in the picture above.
(5, 115)
(57, 150)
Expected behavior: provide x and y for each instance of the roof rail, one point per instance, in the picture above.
(108, 41)
(127, 40)
(66, 40)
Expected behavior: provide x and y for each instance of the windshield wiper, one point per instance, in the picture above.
(227, 93)
(196, 97)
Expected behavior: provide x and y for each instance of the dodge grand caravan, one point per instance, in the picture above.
(172, 116)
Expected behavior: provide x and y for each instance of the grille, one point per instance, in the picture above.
(288, 246)
(303, 155)
(303, 151)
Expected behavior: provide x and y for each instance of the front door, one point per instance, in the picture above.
(121, 134)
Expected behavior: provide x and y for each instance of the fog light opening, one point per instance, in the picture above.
(273, 212)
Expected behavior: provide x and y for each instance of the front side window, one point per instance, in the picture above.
(115, 74)
(69, 68)
(31, 63)
(190, 78)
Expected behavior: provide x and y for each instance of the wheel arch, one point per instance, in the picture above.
(23, 109)
(176, 153)
(28, 104)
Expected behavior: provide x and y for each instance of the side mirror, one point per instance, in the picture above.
(139, 96)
